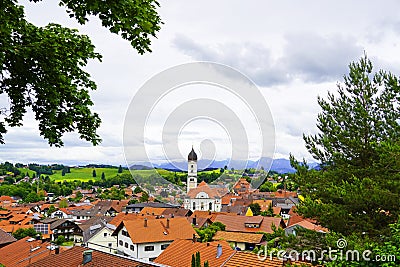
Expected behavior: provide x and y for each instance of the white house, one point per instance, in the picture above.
(103, 240)
(145, 238)
(62, 213)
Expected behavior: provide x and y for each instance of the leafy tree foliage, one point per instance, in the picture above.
(60, 239)
(42, 68)
(358, 188)
(63, 203)
(32, 197)
(206, 234)
(144, 197)
(24, 232)
(255, 208)
(269, 212)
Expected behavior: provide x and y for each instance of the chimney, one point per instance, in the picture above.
(57, 250)
(219, 251)
(87, 256)
(172, 215)
(167, 223)
(194, 238)
(195, 220)
(145, 222)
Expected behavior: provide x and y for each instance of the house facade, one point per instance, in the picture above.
(146, 238)
(103, 240)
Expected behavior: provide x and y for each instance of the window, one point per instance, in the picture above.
(202, 206)
(149, 248)
(132, 248)
(191, 166)
(121, 243)
(126, 244)
(125, 233)
(194, 205)
(191, 170)
(210, 206)
(110, 245)
(105, 234)
(164, 246)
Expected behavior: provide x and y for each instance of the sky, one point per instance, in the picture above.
(294, 51)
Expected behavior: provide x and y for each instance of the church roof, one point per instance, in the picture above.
(216, 192)
(192, 155)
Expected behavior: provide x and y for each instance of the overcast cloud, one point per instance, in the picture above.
(293, 51)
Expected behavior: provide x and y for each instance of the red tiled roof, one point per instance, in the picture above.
(23, 252)
(152, 211)
(237, 223)
(242, 259)
(125, 216)
(277, 210)
(74, 258)
(179, 253)
(157, 230)
(310, 226)
(6, 238)
(228, 198)
(264, 204)
(211, 192)
(238, 237)
(296, 218)
(6, 198)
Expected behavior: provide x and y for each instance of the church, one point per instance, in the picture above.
(201, 196)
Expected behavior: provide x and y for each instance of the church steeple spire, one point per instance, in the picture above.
(192, 170)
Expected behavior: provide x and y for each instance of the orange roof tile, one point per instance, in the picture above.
(157, 230)
(211, 192)
(277, 210)
(6, 198)
(17, 218)
(23, 252)
(264, 204)
(152, 211)
(311, 226)
(238, 223)
(73, 258)
(226, 200)
(11, 228)
(125, 216)
(179, 253)
(296, 218)
(241, 259)
(239, 237)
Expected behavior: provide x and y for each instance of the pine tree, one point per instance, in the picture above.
(94, 173)
(193, 261)
(103, 176)
(120, 169)
(358, 145)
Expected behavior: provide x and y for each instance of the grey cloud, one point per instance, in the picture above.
(310, 57)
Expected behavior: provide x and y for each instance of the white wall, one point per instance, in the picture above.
(102, 239)
(139, 249)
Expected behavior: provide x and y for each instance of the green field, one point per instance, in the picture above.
(85, 174)
(26, 170)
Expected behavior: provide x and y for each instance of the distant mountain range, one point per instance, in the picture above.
(278, 165)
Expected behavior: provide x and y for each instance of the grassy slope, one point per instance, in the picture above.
(85, 174)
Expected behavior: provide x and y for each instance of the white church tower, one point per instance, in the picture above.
(192, 170)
